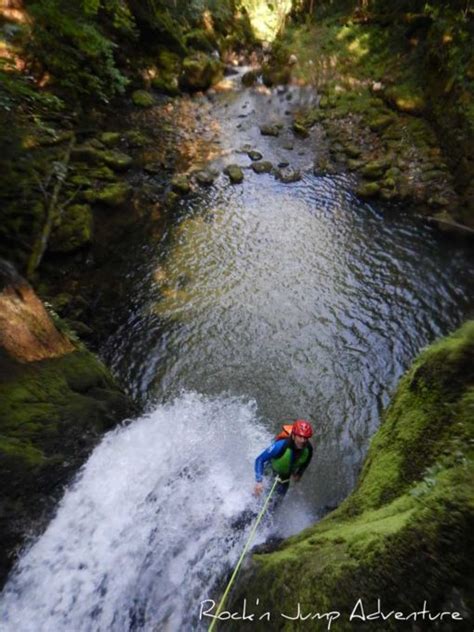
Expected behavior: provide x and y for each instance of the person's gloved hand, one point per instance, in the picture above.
(257, 490)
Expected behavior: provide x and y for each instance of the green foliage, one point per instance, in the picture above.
(68, 43)
(17, 88)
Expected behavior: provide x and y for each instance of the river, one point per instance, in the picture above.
(262, 302)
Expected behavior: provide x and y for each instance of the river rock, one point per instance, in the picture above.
(112, 195)
(254, 155)
(235, 173)
(375, 169)
(263, 166)
(288, 174)
(249, 78)
(270, 130)
(300, 129)
(206, 177)
(199, 72)
(180, 184)
(368, 190)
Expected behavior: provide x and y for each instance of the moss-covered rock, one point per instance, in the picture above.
(142, 99)
(300, 129)
(111, 195)
(288, 174)
(405, 534)
(116, 160)
(110, 139)
(270, 130)
(206, 177)
(368, 190)
(235, 173)
(262, 166)
(167, 84)
(200, 72)
(74, 230)
(180, 184)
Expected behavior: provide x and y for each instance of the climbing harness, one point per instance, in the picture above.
(247, 544)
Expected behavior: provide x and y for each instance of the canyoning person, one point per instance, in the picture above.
(289, 456)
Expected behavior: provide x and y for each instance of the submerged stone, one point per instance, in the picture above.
(288, 175)
(254, 155)
(263, 166)
(270, 130)
(235, 173)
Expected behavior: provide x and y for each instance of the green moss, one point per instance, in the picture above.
(74, 231)
(143, 99)
(405, 534)
(111, 195)
(200, 71)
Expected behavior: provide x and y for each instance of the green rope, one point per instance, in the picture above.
(250, 538)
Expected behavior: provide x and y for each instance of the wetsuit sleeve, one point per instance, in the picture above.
(300, 471)
(273, 452)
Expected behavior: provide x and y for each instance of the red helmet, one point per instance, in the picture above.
(302, 428)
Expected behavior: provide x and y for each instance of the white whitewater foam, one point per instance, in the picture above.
(143, 535)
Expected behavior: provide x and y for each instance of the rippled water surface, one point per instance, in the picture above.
(297, 296)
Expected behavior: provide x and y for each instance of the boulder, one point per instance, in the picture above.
(200, 72)
(249, 78)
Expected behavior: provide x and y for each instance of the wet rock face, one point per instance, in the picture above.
(56, 400)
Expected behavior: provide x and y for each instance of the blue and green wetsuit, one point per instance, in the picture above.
(285, 461)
